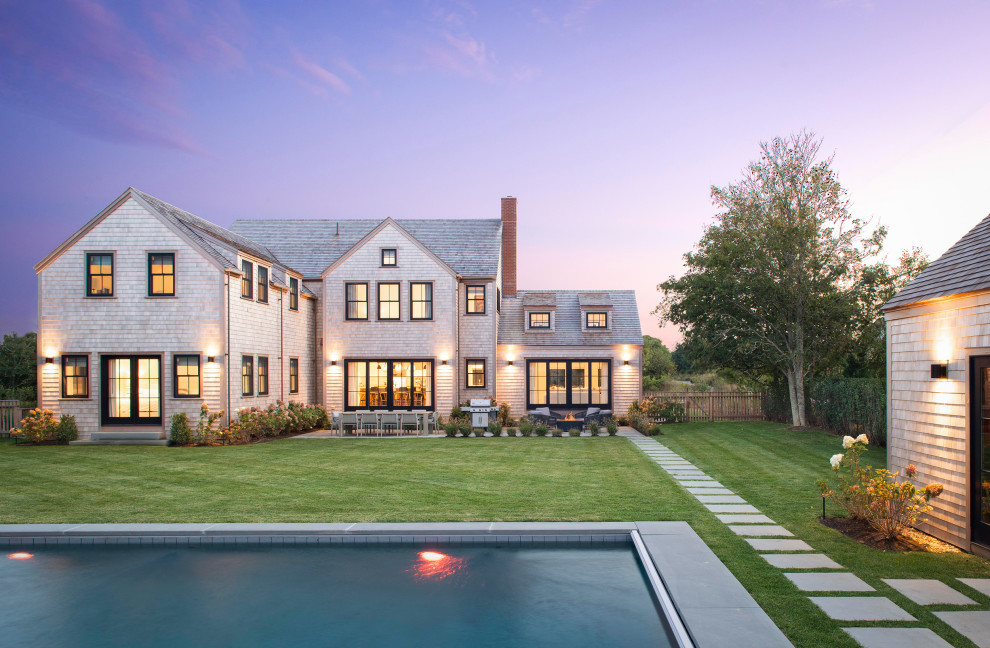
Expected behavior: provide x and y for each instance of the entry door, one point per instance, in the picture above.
(980, 447)
(131, 389)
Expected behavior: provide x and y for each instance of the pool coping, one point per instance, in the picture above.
(715, 608)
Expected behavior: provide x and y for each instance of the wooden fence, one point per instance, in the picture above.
(715, 406)
(10, 415)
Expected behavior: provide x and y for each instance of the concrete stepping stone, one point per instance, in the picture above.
(897, 638)
(732, 508)
(768, 544)
(720, 499)
(703, 478)
(827, 582)
(861, 608)
(981, 585)
(700, 483)
(927, 591)
(973, 625)
(694, 490)
(732, 518)
(760, 530)
(802, 561)
(686, 474)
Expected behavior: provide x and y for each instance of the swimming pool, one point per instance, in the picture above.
(313, 595)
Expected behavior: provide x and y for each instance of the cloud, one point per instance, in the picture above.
(83, 65)
(205, 34)
(323, 76)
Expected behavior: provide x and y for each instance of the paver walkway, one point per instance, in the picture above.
(764, 535)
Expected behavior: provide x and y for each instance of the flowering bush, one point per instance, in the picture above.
(275, 420)
(876, 495)
(207, 427)
(656, 411)
(37, 426)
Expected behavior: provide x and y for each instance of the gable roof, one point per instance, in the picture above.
(469, 246)
(398, 228)
(964, 268)
(624, 327)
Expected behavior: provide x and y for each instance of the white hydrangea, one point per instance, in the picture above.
(836, 460)
(848, 442)
(862, 439)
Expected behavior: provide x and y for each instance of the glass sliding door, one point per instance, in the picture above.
(980, 447)
(388, 384)
(131, 390)
(573, 384)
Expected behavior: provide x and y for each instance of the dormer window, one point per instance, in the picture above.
(539, 320)
(596, 320)
(389, 257)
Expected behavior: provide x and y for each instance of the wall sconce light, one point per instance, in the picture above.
(444, 362)
(625, 363)
(333, 363)
(211, 359)
(509, 363)
(49, 360)
(940, 370)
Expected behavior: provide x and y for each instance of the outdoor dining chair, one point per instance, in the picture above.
(389, 421)
(348, 420)
(409, 420)
(368, 422)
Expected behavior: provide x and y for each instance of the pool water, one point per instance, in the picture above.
(315, 595)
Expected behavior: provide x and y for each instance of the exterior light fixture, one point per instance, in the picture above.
(625, 363)
(509, 363)
(333, 363)
(49, 360)
(940, 370)
(444, 362)
(211, 358)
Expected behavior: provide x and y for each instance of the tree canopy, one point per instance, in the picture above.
(774, 285)
(657, 363)
(18, 367)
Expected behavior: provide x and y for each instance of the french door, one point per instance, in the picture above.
(980, 447)
(131, 390)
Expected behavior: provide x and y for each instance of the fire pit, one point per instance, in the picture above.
(569, 423)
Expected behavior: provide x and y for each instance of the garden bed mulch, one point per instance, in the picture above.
(910, 540)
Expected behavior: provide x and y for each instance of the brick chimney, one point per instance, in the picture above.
(509, 246)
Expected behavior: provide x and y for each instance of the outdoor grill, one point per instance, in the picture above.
(481, 409)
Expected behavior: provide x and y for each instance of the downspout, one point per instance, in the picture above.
(457, 338)
(226, 366)
(281, 346)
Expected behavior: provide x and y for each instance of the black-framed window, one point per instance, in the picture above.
(568, 383)
(75, 376)
(247, 279)
(247, 375)
(185, 376)
(476, 300)
(539, 320)
(388, 300)
(390, 257)
(131, 390)
(498, 300)
(389, 384)
(99, 274)
(356, 301)
(262, 376)
(161, 274)
(262, 284)
(293, 375)
(596, 320)
(420, 300)
(293, 293)
(475, 373)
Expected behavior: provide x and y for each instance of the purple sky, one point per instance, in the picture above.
(609, 121)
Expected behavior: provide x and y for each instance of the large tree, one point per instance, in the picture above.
(657, 364)
(773, 285)
(18, 367)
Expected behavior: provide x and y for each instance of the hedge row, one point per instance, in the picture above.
(850, 406)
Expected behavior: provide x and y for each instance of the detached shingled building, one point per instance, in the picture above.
(148, 310)
(938, 387)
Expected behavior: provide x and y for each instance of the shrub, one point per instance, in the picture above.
(504, 412)
(876, 495)
(495, 428)
(655, 431)
(638, 421)
(450, 429)
(622, 420)
(274, 421)
(849, 406)
(612, 427)
(37, 426)
(525, 426)
(66, 430)
(593, 428)
(658, 411)
(457, 414)
(205, 429)
(464, 428)
(541, 429)
(179, 433)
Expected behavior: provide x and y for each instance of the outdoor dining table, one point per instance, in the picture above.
(422, 418)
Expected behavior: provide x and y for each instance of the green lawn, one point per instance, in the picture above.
(395, 480)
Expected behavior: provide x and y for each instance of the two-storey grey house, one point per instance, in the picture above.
(149, 310)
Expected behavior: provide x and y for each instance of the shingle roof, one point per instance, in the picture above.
(539, 298)
(469, 246)
(964, 268)
(598, 299)
(624, 329)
